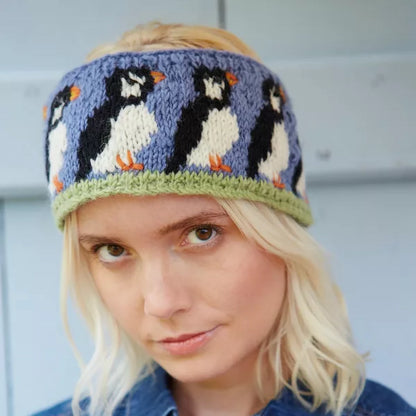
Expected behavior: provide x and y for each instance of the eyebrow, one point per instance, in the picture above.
(96, 239)
(203, 217)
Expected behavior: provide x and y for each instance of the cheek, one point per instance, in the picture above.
(263, 286)
(120, 299)
(251, 283)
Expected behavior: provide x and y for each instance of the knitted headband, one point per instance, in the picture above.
(189, 122)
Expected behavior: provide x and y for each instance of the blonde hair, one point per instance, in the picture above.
(310, 349)
(312, 344)
(155, 36)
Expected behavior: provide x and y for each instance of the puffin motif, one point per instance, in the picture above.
(200, 137)
(122, 126)
(56, 137)
(268, 152)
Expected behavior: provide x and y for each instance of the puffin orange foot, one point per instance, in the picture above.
(130, 165)
(277, 182)
(216, 164)
(58, 184)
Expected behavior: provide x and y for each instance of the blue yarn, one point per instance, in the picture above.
(166, 102)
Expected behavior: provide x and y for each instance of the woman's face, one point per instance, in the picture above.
(182, 281)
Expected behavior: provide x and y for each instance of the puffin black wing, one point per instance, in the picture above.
(296, 176)
(261, 139)
(188, 133)
(93, 139)
(121, 92)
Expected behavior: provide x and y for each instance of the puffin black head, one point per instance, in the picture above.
(215, 84)
(61, 99)
(132, 84)
(273, 94)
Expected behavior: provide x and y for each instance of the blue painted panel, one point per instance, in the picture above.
(369, 230)
(280, 29)
(44, 370)
(3, 380)
(355, 115)
(58, 35)
(21, 131)
(3, 317)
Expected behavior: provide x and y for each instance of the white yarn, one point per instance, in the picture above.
(219, 132)
(130, 132)
(57, 146)
(278, 159)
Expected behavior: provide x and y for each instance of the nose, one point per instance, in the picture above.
(165, 292)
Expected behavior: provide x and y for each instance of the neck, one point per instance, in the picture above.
(226, 395)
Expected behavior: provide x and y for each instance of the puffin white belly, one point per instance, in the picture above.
(131, 131)
(57, 146)
(219, 132)
(278, 159)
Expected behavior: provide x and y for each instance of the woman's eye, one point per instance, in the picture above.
(201, 235)
(110, 253)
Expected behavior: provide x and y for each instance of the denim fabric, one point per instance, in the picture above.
(152, 397)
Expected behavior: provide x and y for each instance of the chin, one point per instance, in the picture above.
(194, 371)
(223, 367)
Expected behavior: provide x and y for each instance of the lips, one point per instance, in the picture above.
(181, 338)
(187, 343)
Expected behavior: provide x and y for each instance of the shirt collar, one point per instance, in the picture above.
(151, 396)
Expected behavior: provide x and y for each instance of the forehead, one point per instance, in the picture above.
(149, 211)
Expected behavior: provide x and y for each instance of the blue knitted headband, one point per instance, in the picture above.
(189, 122)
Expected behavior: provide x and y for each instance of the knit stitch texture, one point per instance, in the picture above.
(191, 122)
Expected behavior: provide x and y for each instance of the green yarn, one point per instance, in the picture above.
(181, 183)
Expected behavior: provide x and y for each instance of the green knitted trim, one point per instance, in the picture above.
(182, 183)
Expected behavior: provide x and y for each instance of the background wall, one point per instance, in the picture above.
(350, 68)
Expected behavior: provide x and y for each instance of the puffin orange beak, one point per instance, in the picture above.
(157, 76)
(44, 112)
(282, 94)
(75, 91)
(231, 78)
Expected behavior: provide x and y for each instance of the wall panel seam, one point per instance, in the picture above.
(221, 14)
(5, 313)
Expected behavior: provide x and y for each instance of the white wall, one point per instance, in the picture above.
(350, 68)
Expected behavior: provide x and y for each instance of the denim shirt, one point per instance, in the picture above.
(152, 397)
